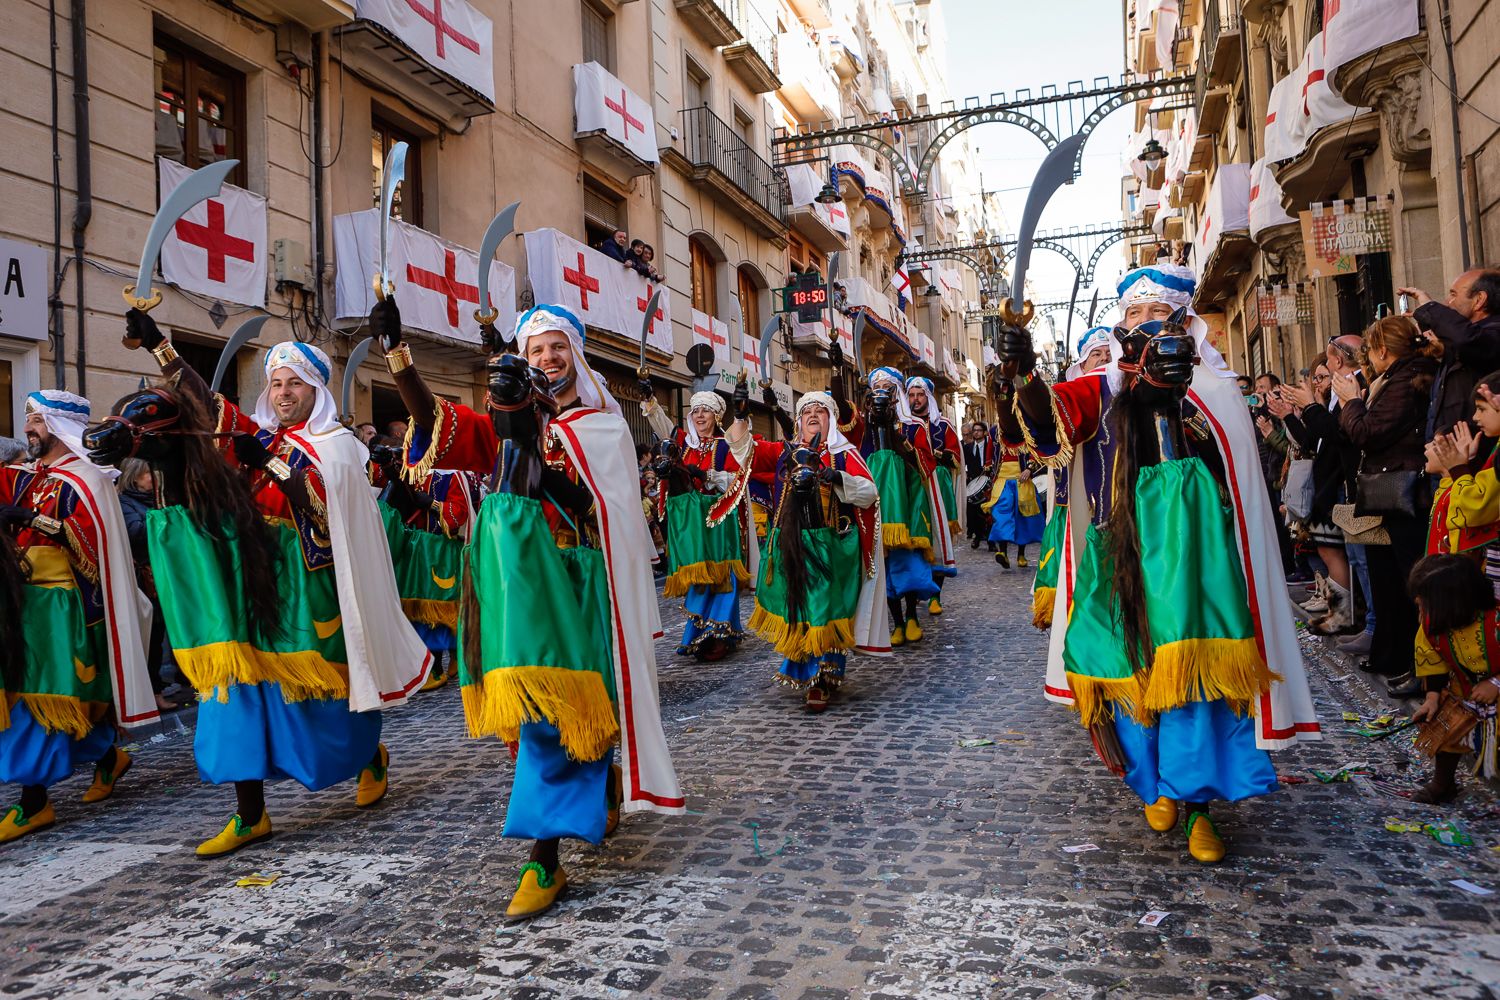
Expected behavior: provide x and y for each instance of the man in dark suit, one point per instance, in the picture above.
(978, 457)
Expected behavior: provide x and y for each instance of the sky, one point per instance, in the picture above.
(1005, 45)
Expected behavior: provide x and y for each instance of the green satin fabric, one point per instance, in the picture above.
(834, 577)
(64, 655)
(1052, 548)
(203, 604)
(691, 541)
(903, 497)
(947, 491)
(427, 564)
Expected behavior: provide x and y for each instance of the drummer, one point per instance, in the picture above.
(979, 457)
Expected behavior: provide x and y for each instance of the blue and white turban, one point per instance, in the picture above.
(1099, 336)
(555, 319)
(310, 365)
(1173, 284)
(66, 415)
(893, 378)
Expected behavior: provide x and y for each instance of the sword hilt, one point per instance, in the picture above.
(486, 318)
(384, 289)
(134, 301)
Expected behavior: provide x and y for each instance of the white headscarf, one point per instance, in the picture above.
(66, 415)
(547, 319)
(836, 441)
(1099, 336)
(898, 382)
(708, 400)
(1174, 285)
(311, 365)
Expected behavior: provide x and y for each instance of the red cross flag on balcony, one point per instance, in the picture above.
(750, 342)
(449, 35)
(604, 293)
(219, 247)
(601, 103)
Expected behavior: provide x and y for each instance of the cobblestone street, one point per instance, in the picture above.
(864, 853)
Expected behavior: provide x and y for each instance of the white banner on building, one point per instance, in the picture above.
(602, 103)
(449, 34)
(1321, 105)
(600, 290)
(219, 247)
(1265, 200)
(1226, 210)
(1352, 28)
(1284, 137)
(24, 287)
(437, 282)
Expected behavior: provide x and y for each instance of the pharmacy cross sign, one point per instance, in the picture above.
(445, 284)
(641, 305)
(442, 29)
(623, 110)
(583, 280)
(216, 240)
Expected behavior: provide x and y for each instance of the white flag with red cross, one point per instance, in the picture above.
(714, 333)
(450, 35)
(219, 247)
(602, 103)
(599, 290)
(751, 351)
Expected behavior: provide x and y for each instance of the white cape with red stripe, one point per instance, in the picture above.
(1284, 715)
(598, 445)
(387, 659)
(127, 611)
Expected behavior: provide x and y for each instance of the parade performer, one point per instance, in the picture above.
(947, 480)
(1093, 354)
(1208, 675)
(311, 711)
(896, 450)
(559, 613)
(711, 544)
(822, 573)
(763, 483)
(1014, 509)
(427, 524)
(73, 619)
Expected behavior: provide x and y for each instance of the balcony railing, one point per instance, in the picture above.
(754, 57)
(709, 144)
(1218, 51)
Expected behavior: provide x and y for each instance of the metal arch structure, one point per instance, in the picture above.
(963, 255)
(1052, 115)
(1060, 249)
(1080, 309)
(1074, 244)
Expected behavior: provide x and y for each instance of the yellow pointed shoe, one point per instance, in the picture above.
(435, 680)
(104, 782)
(934, 607)
(1203, 840)
(532, 897)
(1162, 814)
(15, 824)
(373, 780)
(913, 630)
(1021, 562)
(612, 816)
(235, 835)
(898, 636)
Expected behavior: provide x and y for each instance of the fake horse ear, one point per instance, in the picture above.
(1179, 316)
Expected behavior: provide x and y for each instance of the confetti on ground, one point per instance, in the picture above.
(258, 880)
(1470, 887)
(1080, 848)
(1154, 918)
(981, 742)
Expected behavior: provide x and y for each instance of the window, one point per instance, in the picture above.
(407, 204)
(802, 255)
(749, 297)
(744, 127)
(603, 212)
(694, 86)
(203, 359)
(596, 46)
(705, 295)
(202, 99)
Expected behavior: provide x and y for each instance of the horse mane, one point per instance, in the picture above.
(798, 564)
(1129, 421)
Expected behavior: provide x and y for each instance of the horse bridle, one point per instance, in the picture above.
(158, 427)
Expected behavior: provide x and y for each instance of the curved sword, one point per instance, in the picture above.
(765, 350)
(356, 358)
(201, 184)
(495, 233)
(1055, 171)
(393, 174)
(641, 369)
(248, 331)
(859, 338)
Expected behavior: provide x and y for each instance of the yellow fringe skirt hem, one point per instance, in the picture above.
(575, 701)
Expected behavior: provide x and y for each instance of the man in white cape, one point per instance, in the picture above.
(70, 573)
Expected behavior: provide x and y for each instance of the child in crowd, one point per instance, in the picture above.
(1466, 507)
(1457, 651)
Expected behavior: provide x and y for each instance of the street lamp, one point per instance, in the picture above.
(828, 195)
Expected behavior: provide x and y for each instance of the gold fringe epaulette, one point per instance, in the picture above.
(800, 641)
(575, 701)
(304, 674)
(1062, 425)
(706, 574)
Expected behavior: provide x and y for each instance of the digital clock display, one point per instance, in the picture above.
(808, 297)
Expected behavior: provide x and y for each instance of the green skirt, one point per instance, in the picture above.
(66, 681)
(1044, 586)
(905, 510)
(534, 632)
(699, 555)
(825, 622)
(1202, 643)
(427, 567)
(201, 583)
(949, 494)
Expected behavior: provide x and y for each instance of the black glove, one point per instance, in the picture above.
(741, 397)
(830, 475)
(140, 327)
(385, 323)
(489, 337)
(1015, 346)
(14, 517)
(648, 389)
(249, 452)
(835, 355)
(697, 473)
(768, 396)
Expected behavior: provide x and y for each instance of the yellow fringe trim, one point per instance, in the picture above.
(801, 641)
(1206, 670)
(58, 713)
(575, 701)
(899, 536)
(1064, 454)
(1093, 696)
(706, 574)
(1042, 601)
(305, 674)
(428, 612)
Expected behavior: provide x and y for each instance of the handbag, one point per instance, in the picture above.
(1447, 730)
(1297, 493)
(1359, 530)
(1386, 493)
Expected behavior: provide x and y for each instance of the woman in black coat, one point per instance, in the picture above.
(137, 496)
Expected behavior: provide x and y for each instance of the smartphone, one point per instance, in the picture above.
(1403, 303)
(1253, 401)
